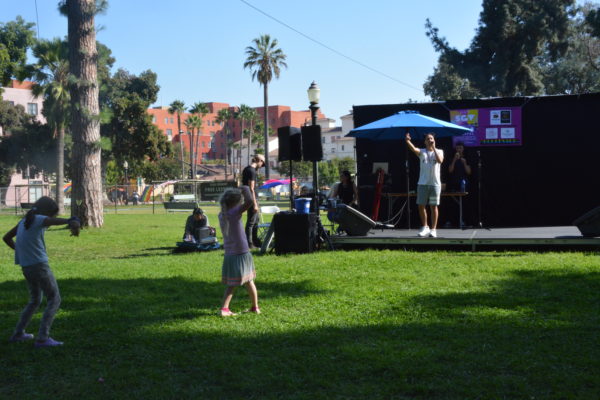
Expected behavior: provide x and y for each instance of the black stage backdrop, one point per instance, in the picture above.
(551, 179)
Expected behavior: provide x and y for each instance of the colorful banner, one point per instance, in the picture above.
(497, 126)
(147, 194)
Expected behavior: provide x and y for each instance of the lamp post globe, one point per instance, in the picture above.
(126, 167)
(314, 94)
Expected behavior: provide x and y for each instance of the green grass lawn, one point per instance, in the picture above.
(140, 322)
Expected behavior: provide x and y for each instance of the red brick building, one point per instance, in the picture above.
(212, 143)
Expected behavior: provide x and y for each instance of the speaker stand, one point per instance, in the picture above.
(291, 187)
(322, 233)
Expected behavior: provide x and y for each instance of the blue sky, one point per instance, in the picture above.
(197, 47)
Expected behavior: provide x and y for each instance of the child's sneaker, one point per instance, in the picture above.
(21, 337)
(423, 232)
(48, 343)
(226, 312)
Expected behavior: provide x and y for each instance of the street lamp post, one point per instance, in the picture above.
(314, 94)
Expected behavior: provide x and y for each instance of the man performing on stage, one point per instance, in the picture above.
(252, 218)
(429, 187)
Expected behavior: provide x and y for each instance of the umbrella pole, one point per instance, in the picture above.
(407, 168)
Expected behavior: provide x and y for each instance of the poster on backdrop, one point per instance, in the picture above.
(497, 126)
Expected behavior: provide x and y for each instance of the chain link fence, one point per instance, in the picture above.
(170, 196)
(18, 199)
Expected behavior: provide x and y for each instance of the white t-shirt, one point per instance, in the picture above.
(429, 173)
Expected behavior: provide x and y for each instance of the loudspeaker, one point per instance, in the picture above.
(312, 148)
(295, 233)
(589, 223)
(290, 143)
(352, 221)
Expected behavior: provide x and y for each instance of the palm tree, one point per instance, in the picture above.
(265, 60)
(193, 122)
(51, 73)
(178, 107)
(85, 122)
(200, 109)
(251, 115)
(223, 116)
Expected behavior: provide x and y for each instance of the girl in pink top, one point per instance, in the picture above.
(238, 265)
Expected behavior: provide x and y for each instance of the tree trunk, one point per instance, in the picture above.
(60, 169)
(241, 141)
(180, 144)
(266, 134)
(191, 134)
(250, 133)
(87, 174)
(226, 153)
(197, 146)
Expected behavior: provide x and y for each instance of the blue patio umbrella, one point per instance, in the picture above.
(395, 127)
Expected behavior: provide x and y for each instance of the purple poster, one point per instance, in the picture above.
(497, 126)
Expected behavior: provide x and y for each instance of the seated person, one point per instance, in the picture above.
(194, 222)
(346, 190)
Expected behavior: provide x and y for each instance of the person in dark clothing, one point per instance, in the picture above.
(193, 223)
(252, 217)
(346, 190)
(459, 170)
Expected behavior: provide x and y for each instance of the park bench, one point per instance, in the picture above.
(181, 203)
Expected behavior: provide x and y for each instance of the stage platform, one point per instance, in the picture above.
(551, 238)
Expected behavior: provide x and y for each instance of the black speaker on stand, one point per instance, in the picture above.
(312, 146)
(290, 149)
(290, 143)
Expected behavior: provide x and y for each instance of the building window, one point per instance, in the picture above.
(171, 120)
(333, 150)
(342, 147)
(12, 103)
(32, 108)
(323, 140)
(154, 119)
(170, 134)
(166, 120)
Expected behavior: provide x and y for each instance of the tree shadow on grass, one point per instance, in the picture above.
(527, 297)
(142, 336)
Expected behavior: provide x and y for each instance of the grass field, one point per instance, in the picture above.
(140, 322)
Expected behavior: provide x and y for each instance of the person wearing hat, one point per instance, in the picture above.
(252, 217)
(194, 222)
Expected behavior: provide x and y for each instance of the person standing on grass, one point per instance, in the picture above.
(429, 187)
(30, 254)
(238, 265)
(252, 218)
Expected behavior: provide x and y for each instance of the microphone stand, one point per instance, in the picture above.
(479, 180)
